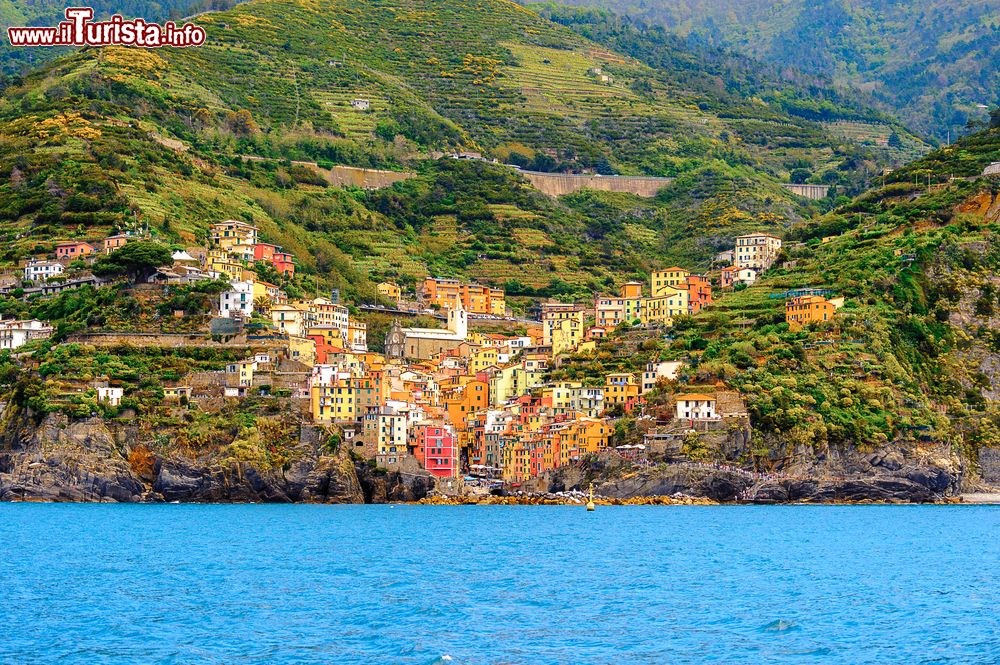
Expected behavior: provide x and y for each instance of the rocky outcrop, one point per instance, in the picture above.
(62, 461)
(381, 486)
(885, 475)
(93, 460)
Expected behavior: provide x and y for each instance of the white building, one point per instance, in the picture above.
(655, 371)
(992, 169)
(385, 434)
(39, 271)
(112, 396)
(15, 334)
(696, 407)
(744, 276)
(757, 251)
(238, 301)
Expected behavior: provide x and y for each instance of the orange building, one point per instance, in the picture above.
(699, 292)
(475, 298)
(803, 310)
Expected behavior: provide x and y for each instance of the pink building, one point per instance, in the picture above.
(72, 250)
(434, 447)
(284, 263)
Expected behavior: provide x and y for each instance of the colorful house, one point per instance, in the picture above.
(696, 406)
(803, 310)
(389, 291)
(667, 277)
(68, 251)
(619, 388)
(434, 446)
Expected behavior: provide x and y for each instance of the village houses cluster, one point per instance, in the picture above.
(450, 400)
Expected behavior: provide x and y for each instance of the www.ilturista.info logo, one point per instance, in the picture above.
(79, 29)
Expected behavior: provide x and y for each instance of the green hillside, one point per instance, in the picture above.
(911, 358)
(111, 138)
(930, 62)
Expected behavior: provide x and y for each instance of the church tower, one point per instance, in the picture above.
(458, 320)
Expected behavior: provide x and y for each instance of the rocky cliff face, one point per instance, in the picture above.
(94, 460)
(886, 475)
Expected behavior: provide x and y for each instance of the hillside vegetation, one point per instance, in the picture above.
(912, 358)
(929, 62)
(110, 139)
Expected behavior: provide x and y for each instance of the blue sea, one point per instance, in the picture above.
(477, 584)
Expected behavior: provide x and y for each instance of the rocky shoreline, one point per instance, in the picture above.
(93, 461)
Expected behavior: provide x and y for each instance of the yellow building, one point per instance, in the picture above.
(268, 292)
(619, 388)
(302, 349)
(482, 358)
(660, 279)
(233, 236)
(560, 396)
(289, 319)
(389, 291)
(333, 402)
(562, 326)
(662, 309)
(225, 265)
(176, 393)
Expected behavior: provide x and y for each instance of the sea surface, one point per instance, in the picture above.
(477, 584)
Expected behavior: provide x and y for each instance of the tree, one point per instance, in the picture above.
(138, 260)
(799, 176)
(995, 118)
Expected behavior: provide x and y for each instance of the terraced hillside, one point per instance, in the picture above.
(111, 139)
(910, 360)
(931, 63)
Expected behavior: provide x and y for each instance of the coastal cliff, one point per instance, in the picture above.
(95, 460)
(885, 475)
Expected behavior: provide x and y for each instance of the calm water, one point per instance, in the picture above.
(407, 584)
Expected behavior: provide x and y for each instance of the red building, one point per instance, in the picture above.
(434, 447)
(699, 293)
(282, 261)
(263, 251)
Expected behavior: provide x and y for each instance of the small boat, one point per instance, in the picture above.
(590, 501)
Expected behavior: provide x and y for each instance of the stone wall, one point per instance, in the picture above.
(815, 192)
(168, 340)
(342, 176)
(560, 184)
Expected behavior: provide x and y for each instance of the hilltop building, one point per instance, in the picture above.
(659, 279)
(390, 291)
(696, 406)
(757, 250)
(474, 298)
(39, 271)
(68, 251)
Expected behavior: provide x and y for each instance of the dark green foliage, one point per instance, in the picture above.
(137, 259)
